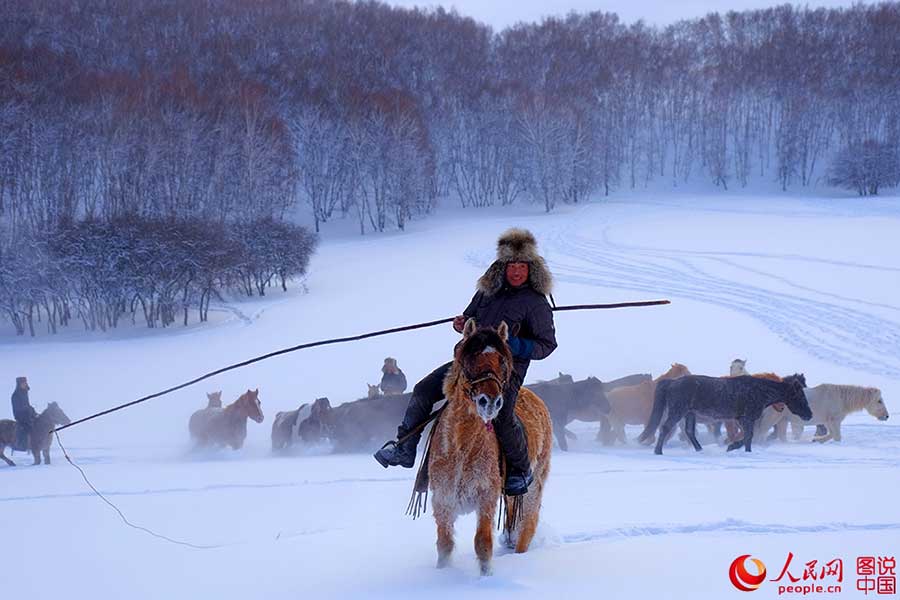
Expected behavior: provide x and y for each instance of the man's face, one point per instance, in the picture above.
(24, 385)
(516, 273)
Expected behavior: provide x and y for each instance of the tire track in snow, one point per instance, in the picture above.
(582, 252)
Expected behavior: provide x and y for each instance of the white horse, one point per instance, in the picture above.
(831, 404)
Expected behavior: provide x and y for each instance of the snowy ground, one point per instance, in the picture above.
(791, 285)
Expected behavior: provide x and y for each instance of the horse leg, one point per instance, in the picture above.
(36, 453)
(46, 456)
(745, 439)
(608, 430)
(444, 517)
(829, 432)
(781, 430)
(747, 425)
(531, 505)
(672, 420)
(5, 459)
(690, 428)
(484, 540)
(835, 428)
(559, 428)
(797, 428)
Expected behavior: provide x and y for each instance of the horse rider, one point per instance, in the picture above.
(23, 413)
(393, 381)
(514, 289)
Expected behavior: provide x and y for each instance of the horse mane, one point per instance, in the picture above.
(676, 367)
(853, 397)
(242, 399)
(769, 376)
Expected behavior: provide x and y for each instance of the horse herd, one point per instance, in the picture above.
(747, 406)
(462, 462)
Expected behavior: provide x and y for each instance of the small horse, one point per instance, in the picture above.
(226, 426)
(464, 458)
(40, 438)
(742, 398)
(632, 405)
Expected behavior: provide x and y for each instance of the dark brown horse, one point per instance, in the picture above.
(226, 426)
(41, 433)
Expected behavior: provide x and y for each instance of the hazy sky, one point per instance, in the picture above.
(502, 13)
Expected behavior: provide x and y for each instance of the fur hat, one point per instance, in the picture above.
(517, 245)
(20, 380)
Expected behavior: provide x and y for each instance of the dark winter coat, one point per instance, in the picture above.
(23, 412)
(393, 383)
(528, 315)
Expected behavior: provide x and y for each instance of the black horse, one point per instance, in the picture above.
(741, 398)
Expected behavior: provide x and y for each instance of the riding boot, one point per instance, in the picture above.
(425, 395)
(515, 448)
(401, 452)
(511, 435)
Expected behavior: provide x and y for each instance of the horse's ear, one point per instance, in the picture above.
(470, 328)
(503, 331)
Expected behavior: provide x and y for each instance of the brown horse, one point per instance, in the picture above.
(632, 405)
(40, 438)
(226, 426)
(464, 458)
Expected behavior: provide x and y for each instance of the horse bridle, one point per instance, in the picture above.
(488, 376)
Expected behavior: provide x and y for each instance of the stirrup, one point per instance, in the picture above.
(378, 455)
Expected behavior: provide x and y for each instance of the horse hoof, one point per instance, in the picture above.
(443, 562)
(486, 569)
(657, 451)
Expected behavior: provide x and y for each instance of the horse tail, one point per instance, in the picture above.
(659, 407)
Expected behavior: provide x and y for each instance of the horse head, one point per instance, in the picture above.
(876, 406)
(214, 400)
(251, 405)
(319, 424)
(374, 391)
(56, 415)
(486, 365)
(564, 378)
(738, 367)
(676, 370)
(796, 398)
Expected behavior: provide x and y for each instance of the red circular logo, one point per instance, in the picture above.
(743, 579)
